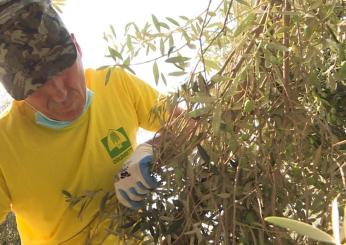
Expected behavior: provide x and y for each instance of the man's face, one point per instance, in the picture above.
(63, 96)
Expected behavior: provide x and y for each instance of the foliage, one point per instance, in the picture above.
(57, 4)
(265, 123)
(8, 231)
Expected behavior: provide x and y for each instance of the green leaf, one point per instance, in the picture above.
(211, 64)
(127, 61)
(224, 195)
(105, 37)
(156, 23)
(108, 75)
(177, 73)
(128, 68)
(344, 222)
(128, 25)
(163, 79)
(164, 25)
(249, 106)
(202, 99)
(198, 112)
(195, 31)
(177, 59)
(170, 50)
(66, 194)
(211, 13)
(245, 24)
(156, 73)
(115, 54)
(187, 38)
(225, 7)
(128, 224)
(152, 46)
(341, 74)
(162, 47)
(301, 228)
(291, 13)
(315, 5)
(103, 202)
(220, 78)
(277, 46)
(216, 120)
(203, 153)
(129, 43)
(173, 21)
(184, 18)
(136, 227)
(113, 31)
(243, 2)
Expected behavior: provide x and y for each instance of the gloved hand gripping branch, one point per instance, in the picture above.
(135, 180)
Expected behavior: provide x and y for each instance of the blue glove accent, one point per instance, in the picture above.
(134, 192)
(144, 166)
(134, 204)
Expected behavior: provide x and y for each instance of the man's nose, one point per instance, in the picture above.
(58, 89)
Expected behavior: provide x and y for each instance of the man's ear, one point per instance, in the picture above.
(79, 50)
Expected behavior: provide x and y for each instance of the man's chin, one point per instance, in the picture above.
(72, 116)
(68, 116)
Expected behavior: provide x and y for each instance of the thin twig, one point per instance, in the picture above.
(234, 205)
(257, 31)
(343, 142)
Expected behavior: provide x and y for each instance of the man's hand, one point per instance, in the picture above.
(135, 180)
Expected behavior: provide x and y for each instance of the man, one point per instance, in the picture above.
(66, 129)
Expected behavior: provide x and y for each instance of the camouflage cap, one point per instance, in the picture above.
(34, 45)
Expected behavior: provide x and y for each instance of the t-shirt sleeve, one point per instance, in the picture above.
(4, 199)
(147, 102)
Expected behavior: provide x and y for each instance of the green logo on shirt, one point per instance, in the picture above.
(117, 144)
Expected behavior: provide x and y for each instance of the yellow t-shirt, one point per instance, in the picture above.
(37, 163)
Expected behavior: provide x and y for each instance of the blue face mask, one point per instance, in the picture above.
(41, 119)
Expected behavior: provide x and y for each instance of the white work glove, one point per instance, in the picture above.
(135, 180)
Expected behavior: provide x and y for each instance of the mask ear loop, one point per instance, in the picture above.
(32, 107)
(37, 111)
